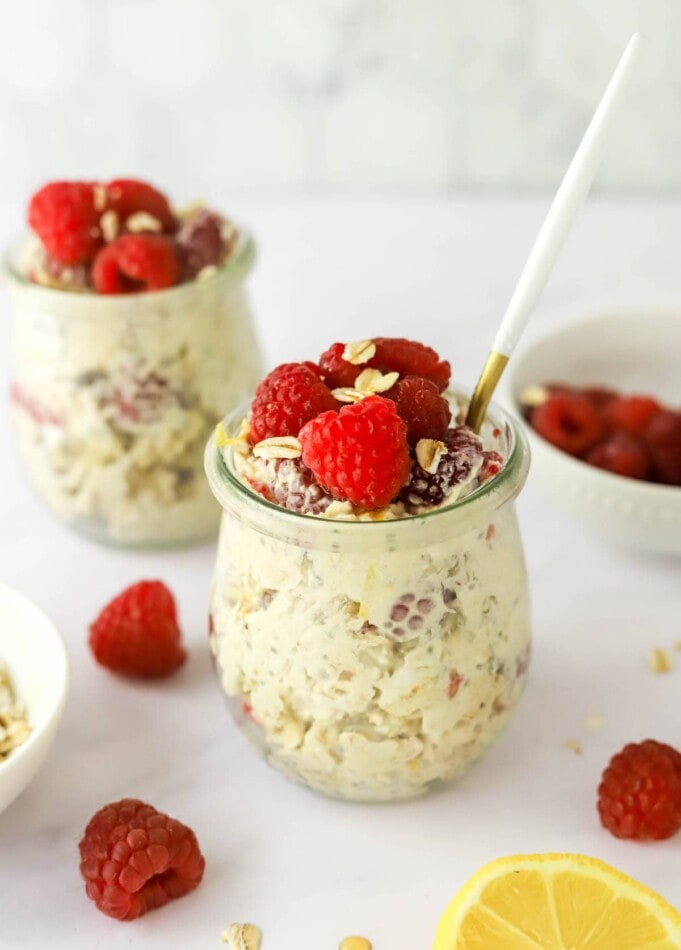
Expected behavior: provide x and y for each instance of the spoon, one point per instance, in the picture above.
(571, 193)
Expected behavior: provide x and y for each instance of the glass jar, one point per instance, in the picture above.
(113, 398)
(372, 660)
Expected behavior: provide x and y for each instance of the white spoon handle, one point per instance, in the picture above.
(567, 202)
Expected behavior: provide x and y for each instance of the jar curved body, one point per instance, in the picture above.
(375, 661)
(113, 398)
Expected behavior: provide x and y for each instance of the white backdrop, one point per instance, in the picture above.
(200, 94)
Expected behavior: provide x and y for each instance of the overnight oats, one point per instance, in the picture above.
(132, 332)
(369, 610)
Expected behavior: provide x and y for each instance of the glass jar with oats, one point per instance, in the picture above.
(123, 363)
(370, 655)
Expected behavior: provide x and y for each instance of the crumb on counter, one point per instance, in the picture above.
(659, 660)
(573, 746)
(242, 937)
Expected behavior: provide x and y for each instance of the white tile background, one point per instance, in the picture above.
(313, 94)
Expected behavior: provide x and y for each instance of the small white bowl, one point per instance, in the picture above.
(634, 351)
(35, 656)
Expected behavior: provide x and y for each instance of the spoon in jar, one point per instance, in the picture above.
(568, 200)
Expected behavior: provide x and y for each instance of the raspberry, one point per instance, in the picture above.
(393, 354)
(663, 437)
(136, 262)
(409, 358)
(137, 633)
(359, 454)
(288, 483)
(630, 413)
(286, 399)
(64, 217)
(336, 371)
(640, 792)
(568, 421)
(622, 454)
(425, 412)
(200, 242)
(134, 859)
(126, 196)
(464, 452)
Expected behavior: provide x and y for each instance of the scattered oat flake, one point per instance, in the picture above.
(142, 221)
(573, 746)
(347, 394)
(278, 447)
(242, 937)
(354, 943)
(593, 723)
(370, 382)
(428, 454)
(210, 270)
(659, 660)
(110, 225)
(361, 351)
(99, 197)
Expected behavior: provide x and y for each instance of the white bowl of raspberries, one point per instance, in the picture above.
(601, 397)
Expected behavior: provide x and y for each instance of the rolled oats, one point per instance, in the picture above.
(361, 351)
(14, 727)
(110, 225)
(659, 660)
(428, 454)
(143, 221)
(278, 447)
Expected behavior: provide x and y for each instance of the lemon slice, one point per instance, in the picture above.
(557, 902)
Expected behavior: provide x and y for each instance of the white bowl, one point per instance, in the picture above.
(635, 351)
(35, 656)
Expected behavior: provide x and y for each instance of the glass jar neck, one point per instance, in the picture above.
(462, 516)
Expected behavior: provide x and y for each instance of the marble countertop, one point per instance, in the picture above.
(310, 871)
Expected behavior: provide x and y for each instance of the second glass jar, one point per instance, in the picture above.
(113, 399)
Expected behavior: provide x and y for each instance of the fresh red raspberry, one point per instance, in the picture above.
(134, 859)
(286, 399)
(136, 262)
(630, 413)
(337, 372)
(569, 421)
(127, 196)
(599, 396)
(64, 216)
(409, 358)
(663, 437)
(359, 454)
(640, 792)
(137, 633)
(622, 454)
(393, 354)
(425, 412)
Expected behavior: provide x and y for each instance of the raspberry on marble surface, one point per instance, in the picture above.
(137, 634)
(134, 859)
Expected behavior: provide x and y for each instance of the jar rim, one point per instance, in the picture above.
(238, 265)
(234, 495)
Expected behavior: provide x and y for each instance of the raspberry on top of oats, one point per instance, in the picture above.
(366, 431)
(121, 237)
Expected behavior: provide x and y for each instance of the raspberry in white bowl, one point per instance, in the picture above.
(132, 332)
(369, 613)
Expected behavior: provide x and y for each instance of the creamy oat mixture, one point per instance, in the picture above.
(378, 672)
(114, 399)
(14, 726)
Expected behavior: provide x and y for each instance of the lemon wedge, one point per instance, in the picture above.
(557, 902)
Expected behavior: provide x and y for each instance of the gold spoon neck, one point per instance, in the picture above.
(484, 389)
